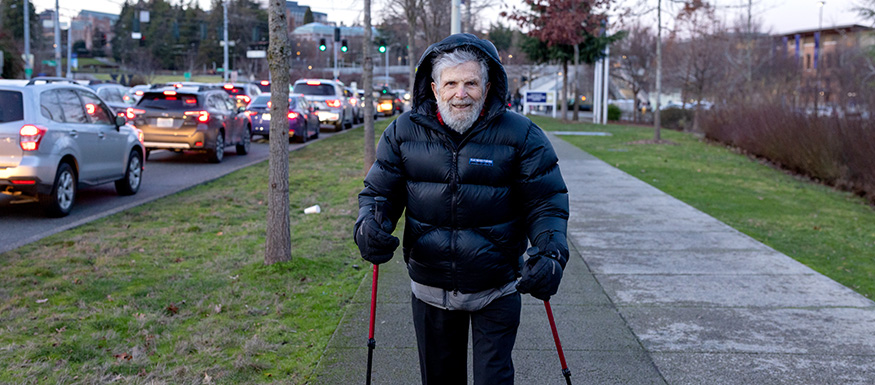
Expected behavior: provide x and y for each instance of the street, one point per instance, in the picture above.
(165, 173)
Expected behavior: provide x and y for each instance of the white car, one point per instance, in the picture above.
(329, 98)
(56, 135)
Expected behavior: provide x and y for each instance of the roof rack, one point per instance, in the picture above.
(50, 79)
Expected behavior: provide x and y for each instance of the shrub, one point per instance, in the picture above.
(614, 112)
(836, 151)
(675, 118)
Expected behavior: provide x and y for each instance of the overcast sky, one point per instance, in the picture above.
(777, 16)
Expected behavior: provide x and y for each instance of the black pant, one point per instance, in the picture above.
(442, 337)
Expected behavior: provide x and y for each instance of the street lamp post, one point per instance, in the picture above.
(387, 62)
(57, 22)
(225, 36)
(28, 69)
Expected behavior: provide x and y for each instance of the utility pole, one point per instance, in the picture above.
(455, 18)
(656, 122)
(70, 51)
(57, 23)
(28, 69)
(388, 47)
(225, 33)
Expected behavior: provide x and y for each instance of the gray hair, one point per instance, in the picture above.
(455, 58)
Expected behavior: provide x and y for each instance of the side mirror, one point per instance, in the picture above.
(120, 121)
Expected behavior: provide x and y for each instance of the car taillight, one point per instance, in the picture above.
(250, 113)
(313, 82)
(141, 136)
(30, 137)
(333, 103)
(202, 116)
(265, 83)
(353, 101)
(229, 86)
(244, 98)
(169, 92)
(293, 115)
(132, 113)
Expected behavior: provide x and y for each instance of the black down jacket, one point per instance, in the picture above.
(471, 200)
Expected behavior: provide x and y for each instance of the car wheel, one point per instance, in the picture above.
(60, 201)
(316, 135)
(338, 126)
(243, 148)
(130, 184)
(218, 152)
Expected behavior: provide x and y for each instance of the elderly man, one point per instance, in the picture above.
(477, 182)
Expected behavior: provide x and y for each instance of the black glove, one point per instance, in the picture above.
(376, 245)
(541, 276)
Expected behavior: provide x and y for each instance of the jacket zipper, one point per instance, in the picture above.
(453, 187)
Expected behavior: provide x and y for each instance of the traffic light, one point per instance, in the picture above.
(322, 46)
(343, 46)
(382, 48)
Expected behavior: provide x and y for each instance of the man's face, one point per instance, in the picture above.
(460, 94)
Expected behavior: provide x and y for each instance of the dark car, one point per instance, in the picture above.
(243, 93)
(303, 121)
(115, 95)
(386, 102)
(263, 86)
(202, 119)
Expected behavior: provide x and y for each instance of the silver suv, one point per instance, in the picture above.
(56, 135)
(329, 98)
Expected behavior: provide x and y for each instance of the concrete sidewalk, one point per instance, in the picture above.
(656, 292)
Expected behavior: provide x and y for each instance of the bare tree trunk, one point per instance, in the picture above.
(410, 12)
(278, 245)
(656, 122)
(575, 115)
(367, 80)
(564, 99)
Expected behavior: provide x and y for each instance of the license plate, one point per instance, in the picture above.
(265, 116)
(164, 122)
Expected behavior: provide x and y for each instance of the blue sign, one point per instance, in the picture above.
(536, 97)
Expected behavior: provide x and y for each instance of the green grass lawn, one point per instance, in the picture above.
(176, 291)
(833, 232)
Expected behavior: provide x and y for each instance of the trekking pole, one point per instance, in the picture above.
(372, 343)
(565, 371)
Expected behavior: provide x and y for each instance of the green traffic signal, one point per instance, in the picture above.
(343, 46)
(382, 48)
(322, 45)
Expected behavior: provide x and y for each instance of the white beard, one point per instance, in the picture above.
(460, 121)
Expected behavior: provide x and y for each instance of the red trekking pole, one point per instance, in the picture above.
(533, 251)
(372, 343)
(565, 371)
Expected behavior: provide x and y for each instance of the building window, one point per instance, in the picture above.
(808, 61)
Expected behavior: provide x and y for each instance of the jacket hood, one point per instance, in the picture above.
(423, 98)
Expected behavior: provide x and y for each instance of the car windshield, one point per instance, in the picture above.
(11, 106)
(260, 101)
(314, 89)
(165, 101)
